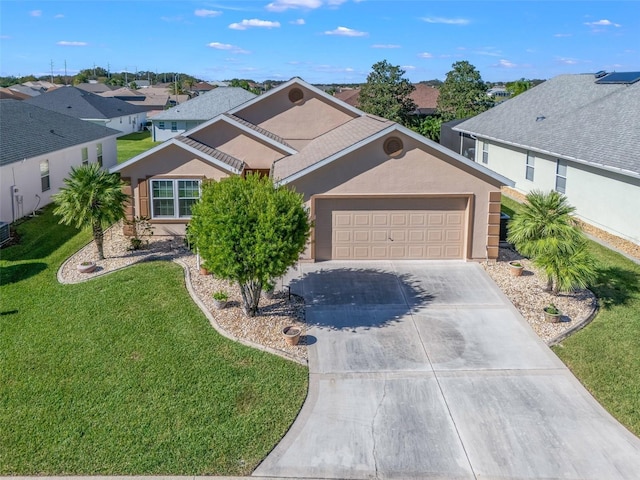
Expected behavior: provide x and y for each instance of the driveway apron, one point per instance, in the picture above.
(426, 370)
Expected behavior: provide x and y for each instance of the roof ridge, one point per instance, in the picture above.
(258, 129)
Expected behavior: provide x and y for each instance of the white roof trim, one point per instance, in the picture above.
(302, 83)
(396, 127)
(179, 144)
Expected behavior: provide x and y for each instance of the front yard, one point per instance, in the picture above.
(605, 356)
(124, 374)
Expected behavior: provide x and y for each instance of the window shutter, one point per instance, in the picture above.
(143, 195)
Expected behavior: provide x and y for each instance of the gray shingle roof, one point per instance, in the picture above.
(212, 152)
(208, 105)
(80, 104)
(27, 131)
(572, 117)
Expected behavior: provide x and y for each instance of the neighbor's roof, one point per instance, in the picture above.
(27, 131)
(208, 105)
(571, 117)
(80, 104)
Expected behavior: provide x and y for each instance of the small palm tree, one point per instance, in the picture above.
(91, 198)
(545, 230)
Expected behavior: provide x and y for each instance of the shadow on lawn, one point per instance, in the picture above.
(615, 286)
(20, 271)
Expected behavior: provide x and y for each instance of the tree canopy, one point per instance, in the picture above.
(518, 87)
(91, 198)
(387, 93)
(249, 231)
(463, 93)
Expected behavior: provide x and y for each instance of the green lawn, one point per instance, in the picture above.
(133, 144)
(605, 355)
(124, 375)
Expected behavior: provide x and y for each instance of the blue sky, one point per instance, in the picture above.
(322, 41)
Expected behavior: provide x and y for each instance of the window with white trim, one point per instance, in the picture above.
(174, 126)
(45, 180)
(531, 163)
(485, 152)
(173, 198)
(99, 153)
(561, 175)
(85, 155)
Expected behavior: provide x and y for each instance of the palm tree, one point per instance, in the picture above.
(91, 198)
(545, 230)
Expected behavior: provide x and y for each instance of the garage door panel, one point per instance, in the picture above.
(412, 228)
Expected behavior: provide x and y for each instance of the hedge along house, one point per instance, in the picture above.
(374, 189)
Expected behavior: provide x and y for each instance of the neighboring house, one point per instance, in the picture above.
(7, 93)
(201, 88)
(108, 112)
(150, 100)
(498, 93)
(188, 115)
(28, 91)
(374, 189)
(577, 134)
(38, 147)
(94, 87)
(424, 96)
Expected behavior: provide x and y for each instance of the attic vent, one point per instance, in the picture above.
(540, 118)
(600, 74)
(295, 95)
(393, 146)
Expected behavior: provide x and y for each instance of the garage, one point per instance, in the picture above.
(411, 228)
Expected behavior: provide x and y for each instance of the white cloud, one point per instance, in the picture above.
(283, 5)
(346, 32)
(447, 21)
(489, 51)
(602, 23)
(389, 45)
(35, 13)
(562, 35)
(254, 22)
(64, 43)
(59, 15)
(5, 37)
(505, 64)
(567, 61)
(408, 67)
(203, 12)
(425, 55)
(299, 21)
(226, 47)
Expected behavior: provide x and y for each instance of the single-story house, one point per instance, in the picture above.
(374, 189)
(576, 134)
(38, 147)
(108, 112)
(94, 87)
(177, 120)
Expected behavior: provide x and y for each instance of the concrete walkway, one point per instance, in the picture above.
(426, 370)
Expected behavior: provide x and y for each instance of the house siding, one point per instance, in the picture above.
(25, 176)
(604, 199)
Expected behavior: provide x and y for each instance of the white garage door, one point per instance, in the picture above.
(430, 229)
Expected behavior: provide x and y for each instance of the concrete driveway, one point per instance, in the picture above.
(426, 370)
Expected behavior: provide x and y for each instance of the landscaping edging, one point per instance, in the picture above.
(578, 326)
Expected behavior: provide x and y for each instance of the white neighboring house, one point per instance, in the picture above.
(577, 134)
(108, 112)
(38, 147)
(188, 115)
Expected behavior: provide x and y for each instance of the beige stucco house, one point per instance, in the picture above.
(374, 189)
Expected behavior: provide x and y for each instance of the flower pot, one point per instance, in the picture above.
(204, 271)
(86, 267)
(552, 317)
(220, 304)
(291, 334)
(516, 268)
